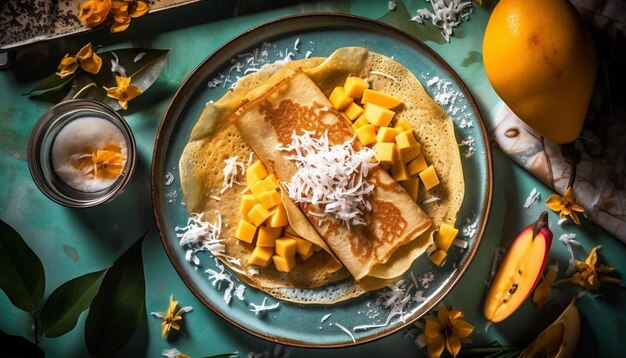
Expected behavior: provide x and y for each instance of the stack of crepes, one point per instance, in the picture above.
(263, 112)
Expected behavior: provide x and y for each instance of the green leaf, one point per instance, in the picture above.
(18, 347)
(22, 276)
(53, 83)
(143, 73)
(119, 305)
(67, 302)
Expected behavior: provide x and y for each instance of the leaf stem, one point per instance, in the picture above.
(88, 86)
(570, 153)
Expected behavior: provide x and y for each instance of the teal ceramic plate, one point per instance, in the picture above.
(425, 285)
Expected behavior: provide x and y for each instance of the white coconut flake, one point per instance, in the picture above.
(378, 73)
(296, 44)
(446, 15)
(432, 199)
(239, 291)
(330, 177)
(562, 220)
(171, 353)
(263, 307)
(532, 197)
(139, 56)
(568, 240)
(169, 178)
(308, 54)
(347, 331)
(217, 278)
(391, 5)
(116, 67)
(460, 243)
(216, 198)
(233, 173)
(326, 316)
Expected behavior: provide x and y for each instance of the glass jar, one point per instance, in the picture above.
(40, 146)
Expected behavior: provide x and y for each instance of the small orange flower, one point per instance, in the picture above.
(544, 289)
(171, 317)
(446, 332)
(589, 276)
(124, 92)
(139, 9)
(565, 205)
(86, 58)
(94, 12)
(121, 18)
(106, 163)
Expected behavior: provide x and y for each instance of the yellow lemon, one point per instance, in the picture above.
(540, 59)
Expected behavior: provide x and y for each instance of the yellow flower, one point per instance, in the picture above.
(93, 12)
(446, 332)
(589, 276)
(86, 58)
(544, 289)
(124, 92)
(565, 205)
(106, 163)
(139, 9)
(171, 317)
(121, 18)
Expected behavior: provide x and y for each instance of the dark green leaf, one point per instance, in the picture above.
(22, 277)
(18, 347)
(53, 83)
(67, 302)
(143, 73)
(119, 305)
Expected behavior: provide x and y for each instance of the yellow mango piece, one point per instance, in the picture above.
(258, 214)
(409, 154)
(411, 186)
(353, 111)
(246, 203)
(269, 199)
(272, 180)
(283, 264)
(399, 171)
(437, 257)
(360, 122)
(304, 247)
(445, 236)
(366, 134)
(429, 177)
(385, 152)
(417, 165)
(245, 231)
(291, 232)
(406, 140)
(285, 247)
(402, 125)
(386, 134)
(306, 257)
(340, 99)
(268, 235)
(380, 98)
(261, 256)
(260, 187)
(278, 218)
(255, 172)
(354, 86)
(378, 115)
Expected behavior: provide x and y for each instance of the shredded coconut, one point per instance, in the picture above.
(432, 199)
(169, 178)
(263, 307)
(233, 172)
(331, 178)
(326, 316)
(391, 5)
(116, 67)
(384, 75)
(447, 15)
(296, 44)
(171, 353)
(216, 278)
(139, 56)
(347, 331)
(532, 197)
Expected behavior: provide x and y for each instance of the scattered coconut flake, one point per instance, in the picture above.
(419, 296)
(308, 54)
(116, 67)
(296, 44)
(326, 316)
(562, 220)
(426, 279)
(331, 178)
(432, 199)
(532, 197)
(233, 172)
(217, 278)
(216, 198)
(139, 56)
(172, 352)
(432, 81)
(169, 178)
(263, 307)
(384, 75)
(447, 15)
(460, 243)
(470, 230)
(445, 95)
(253, 271)
(487, 326)
(347, 331)
(239, 291)
(469, 143)
(391, 5)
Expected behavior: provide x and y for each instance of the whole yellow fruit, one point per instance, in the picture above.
(540, 59)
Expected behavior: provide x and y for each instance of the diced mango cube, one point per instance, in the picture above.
(271, 179)
(255, 172)
(268, 235)
(245, 231)
(402, 125)
(385, 152)
(261, 256)
(445, 236)
(429, 177)
(246, 203)
(366, 134)
(437, 257)
(399, 171)
(378, 115)
(316, 248)
(285, 246)
(411, 186)
(291, 232)
(269, 199)
(306, 257)
(406, 140)
(387, 134)
(411, 153)
(260, 187)
(340, 99)
(284, 264)
(354, 86)
(417, 165)
(380, 98)
(304, 247)
(278, 218)
(258, 214)
(353, 111)
(360, 122)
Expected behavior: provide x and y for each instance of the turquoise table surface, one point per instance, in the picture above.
(71, 242)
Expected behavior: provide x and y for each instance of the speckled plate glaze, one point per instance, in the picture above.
(321, 34)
